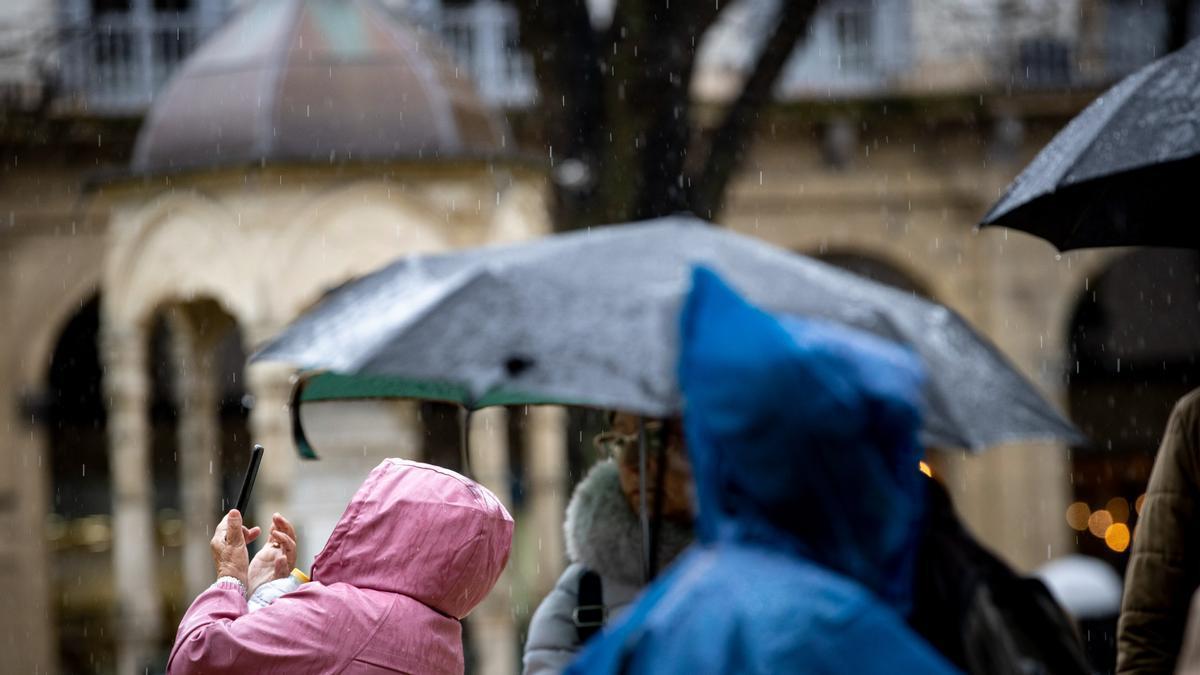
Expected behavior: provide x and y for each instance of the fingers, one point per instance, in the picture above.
(280, 539)
(250, 533)
(278, 522)
(283, 527)
(234, 534)
(222, 527)
(285, 543)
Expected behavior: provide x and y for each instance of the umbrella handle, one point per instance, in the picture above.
(464, 440)
(660, 479)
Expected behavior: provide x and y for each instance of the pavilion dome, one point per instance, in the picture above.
(304, 81)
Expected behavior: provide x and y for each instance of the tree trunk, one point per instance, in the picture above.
(617, 108)
(1177, 24)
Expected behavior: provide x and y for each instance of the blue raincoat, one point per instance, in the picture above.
(803, 442)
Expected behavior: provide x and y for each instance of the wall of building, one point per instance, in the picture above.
(901, 188)
(909, 197)
(51, 255)
(26, 46)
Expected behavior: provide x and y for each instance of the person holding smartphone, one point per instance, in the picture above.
(418, 547)
(273, 561)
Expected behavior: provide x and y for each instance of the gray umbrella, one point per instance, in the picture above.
(1122, 173)
(590, 318)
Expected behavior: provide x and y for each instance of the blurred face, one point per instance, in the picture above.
(622, 441)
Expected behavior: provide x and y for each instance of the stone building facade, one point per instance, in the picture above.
(152, 282)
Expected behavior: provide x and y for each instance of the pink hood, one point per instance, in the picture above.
(421, 531)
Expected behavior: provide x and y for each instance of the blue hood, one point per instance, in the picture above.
(803, 438)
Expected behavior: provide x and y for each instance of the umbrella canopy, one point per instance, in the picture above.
(1086, 587)
(591, 318)
(1122, 173)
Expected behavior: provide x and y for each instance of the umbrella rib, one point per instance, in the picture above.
(468, 279)
(1133, 82)
(1139, 79)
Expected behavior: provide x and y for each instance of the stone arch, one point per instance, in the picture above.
(182, 245)
(47, 300)
(345, 232)
(877, 266)
(1132, 343)
(521, 213)
(53, 315)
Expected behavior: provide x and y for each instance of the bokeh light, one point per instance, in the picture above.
(1119, 508)
(1117, 537)
(1137, 505)
(1077, 516)
(1099, 523)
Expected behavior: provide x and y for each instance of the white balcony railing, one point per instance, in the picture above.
(483, 38)
(114, 64)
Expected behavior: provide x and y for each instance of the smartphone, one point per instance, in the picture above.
(248, 484)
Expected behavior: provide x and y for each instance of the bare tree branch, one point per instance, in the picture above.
(727, 145)
(616, 103)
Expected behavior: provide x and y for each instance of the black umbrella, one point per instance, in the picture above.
(590, 318)
(1123, 172)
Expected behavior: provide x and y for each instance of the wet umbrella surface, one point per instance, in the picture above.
(1123, 171)
(590, 318)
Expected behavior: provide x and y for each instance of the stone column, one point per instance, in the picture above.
(198, 434)
(351, 438)
(492, 630)
(127, 385)
(26, 619)
(1013, 497)
(546, 465)
(271, 427)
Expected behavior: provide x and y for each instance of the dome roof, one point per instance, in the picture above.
(315, 81)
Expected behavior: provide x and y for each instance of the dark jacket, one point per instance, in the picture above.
(1164, 567)
(978, 613)
(802, 437)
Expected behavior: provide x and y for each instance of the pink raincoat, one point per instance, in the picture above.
(417, 548)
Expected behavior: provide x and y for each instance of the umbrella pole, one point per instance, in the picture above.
(660, 479)
(643, 511)
(464, 440)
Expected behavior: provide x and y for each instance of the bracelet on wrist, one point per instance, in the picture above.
(233, 580)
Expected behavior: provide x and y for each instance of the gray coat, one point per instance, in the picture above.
(602, 534)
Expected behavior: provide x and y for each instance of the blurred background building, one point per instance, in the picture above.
(154, 230)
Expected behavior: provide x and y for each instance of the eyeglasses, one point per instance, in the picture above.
(612, 443)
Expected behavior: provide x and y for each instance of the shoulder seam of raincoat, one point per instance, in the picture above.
(378, 625)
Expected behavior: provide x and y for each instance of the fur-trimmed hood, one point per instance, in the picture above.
(605, 535)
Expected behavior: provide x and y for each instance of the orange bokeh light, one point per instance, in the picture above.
(1099, 523)
(1077, 516)
(1117, 537)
